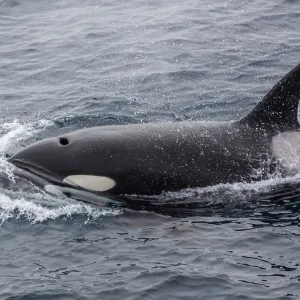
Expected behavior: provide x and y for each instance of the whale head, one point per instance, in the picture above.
(51, 162)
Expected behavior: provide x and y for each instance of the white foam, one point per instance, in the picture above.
(38, 212)
(9, 132)
(12, 132)
(227, 193)
(16, 131)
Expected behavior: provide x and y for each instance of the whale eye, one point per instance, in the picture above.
(63, 141)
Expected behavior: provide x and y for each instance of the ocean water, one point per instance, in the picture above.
(67, 65)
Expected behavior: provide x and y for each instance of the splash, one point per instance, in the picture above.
(17, 131)
(12, 133)
(22, 208)
(237, 187)
(230, 194)
(30, 203)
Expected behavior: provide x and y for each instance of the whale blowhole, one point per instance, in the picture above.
(63, 141)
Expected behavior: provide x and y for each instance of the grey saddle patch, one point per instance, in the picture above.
(286, 148)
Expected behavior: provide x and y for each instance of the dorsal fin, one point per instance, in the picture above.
(279, 107)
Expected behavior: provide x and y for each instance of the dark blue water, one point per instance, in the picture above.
(67, 65)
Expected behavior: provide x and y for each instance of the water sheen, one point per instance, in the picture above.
(67, 65)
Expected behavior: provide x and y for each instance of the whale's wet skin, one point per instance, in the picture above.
(148, 159)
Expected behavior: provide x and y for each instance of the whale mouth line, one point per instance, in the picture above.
(36, 173)
(55, 185)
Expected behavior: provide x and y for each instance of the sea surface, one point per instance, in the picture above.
(66, 65)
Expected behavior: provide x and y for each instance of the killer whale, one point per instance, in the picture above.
(147, 159)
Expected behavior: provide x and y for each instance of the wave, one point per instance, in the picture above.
(36, 210)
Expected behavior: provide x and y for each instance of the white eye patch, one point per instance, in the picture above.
(90, 182)
(286, 148)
